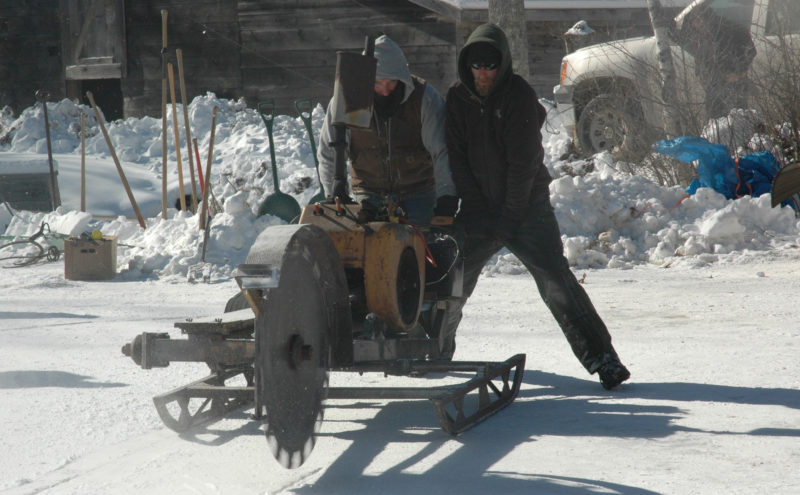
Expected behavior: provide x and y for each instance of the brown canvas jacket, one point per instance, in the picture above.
(390, 156)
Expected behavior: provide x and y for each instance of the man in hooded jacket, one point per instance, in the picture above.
(402, 157)
(494, 140)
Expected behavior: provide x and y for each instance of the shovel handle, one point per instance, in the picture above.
(304, 108)
(163, 30)
(267, 111)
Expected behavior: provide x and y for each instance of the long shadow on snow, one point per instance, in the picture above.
(431, 458)
(670, 391)
(30, 315)
(40, 378)
(677, 391)
(549, 405)
(549, 384)
(212, 435)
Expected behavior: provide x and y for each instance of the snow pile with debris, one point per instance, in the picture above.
(608, 217)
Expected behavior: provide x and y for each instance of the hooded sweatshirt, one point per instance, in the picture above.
(403, 154)
(495, 143)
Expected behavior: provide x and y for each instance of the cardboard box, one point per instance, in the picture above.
(89, 259)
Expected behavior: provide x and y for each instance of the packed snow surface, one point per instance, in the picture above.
(699, 293)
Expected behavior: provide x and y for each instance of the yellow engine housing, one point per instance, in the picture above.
(391, 255)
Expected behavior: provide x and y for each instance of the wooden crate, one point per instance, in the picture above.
(89, 259)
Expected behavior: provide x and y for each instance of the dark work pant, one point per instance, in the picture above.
(537, 244)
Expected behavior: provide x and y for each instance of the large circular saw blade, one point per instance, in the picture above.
(293, 355)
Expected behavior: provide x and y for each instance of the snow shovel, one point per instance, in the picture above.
(55, 200)
(279, 204)
(304, 109)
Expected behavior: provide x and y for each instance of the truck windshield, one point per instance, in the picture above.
(737, 11)
(783, 17)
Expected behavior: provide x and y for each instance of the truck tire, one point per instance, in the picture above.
(615, 124)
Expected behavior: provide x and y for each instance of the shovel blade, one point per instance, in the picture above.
(280, 205)
(785, 184)
(320, 196)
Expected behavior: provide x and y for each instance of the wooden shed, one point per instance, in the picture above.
(257, 49)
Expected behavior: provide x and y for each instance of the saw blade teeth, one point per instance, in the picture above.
(272, 443)
(318, 422)
(297, 459)
(307, 448)
(325, 386)
(284, 458)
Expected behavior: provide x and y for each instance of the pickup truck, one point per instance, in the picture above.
(609, 93)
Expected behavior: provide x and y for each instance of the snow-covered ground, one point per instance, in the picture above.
(699, 295)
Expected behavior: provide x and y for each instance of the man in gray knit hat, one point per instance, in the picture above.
(402, 157)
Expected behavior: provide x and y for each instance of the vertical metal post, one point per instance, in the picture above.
(164, 114)
(83, 161)
(42, 96)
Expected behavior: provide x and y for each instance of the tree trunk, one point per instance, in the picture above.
(669, 94)
(510, 16)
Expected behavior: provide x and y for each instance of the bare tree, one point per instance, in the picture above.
(775, 81)
(669, 94)
(510, 16)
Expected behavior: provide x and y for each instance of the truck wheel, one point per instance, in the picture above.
(612, 123)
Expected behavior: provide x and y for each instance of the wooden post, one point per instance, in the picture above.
(164, 205)
(177, 137)
(208, 171)
(199, 166)
(116, 160)
(509, 15)
(83, 161)
(187, 127)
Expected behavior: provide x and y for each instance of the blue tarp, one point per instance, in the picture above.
(749, 175)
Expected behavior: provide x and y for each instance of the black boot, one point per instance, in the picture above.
(612, 373)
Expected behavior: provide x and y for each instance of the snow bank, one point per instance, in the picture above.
(608, 218)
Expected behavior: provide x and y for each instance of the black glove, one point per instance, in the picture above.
(340, 191)
(367, 213)
(505, 228)
(473, 217)
(446, 206)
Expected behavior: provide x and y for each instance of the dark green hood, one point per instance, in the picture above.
(488, 33)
